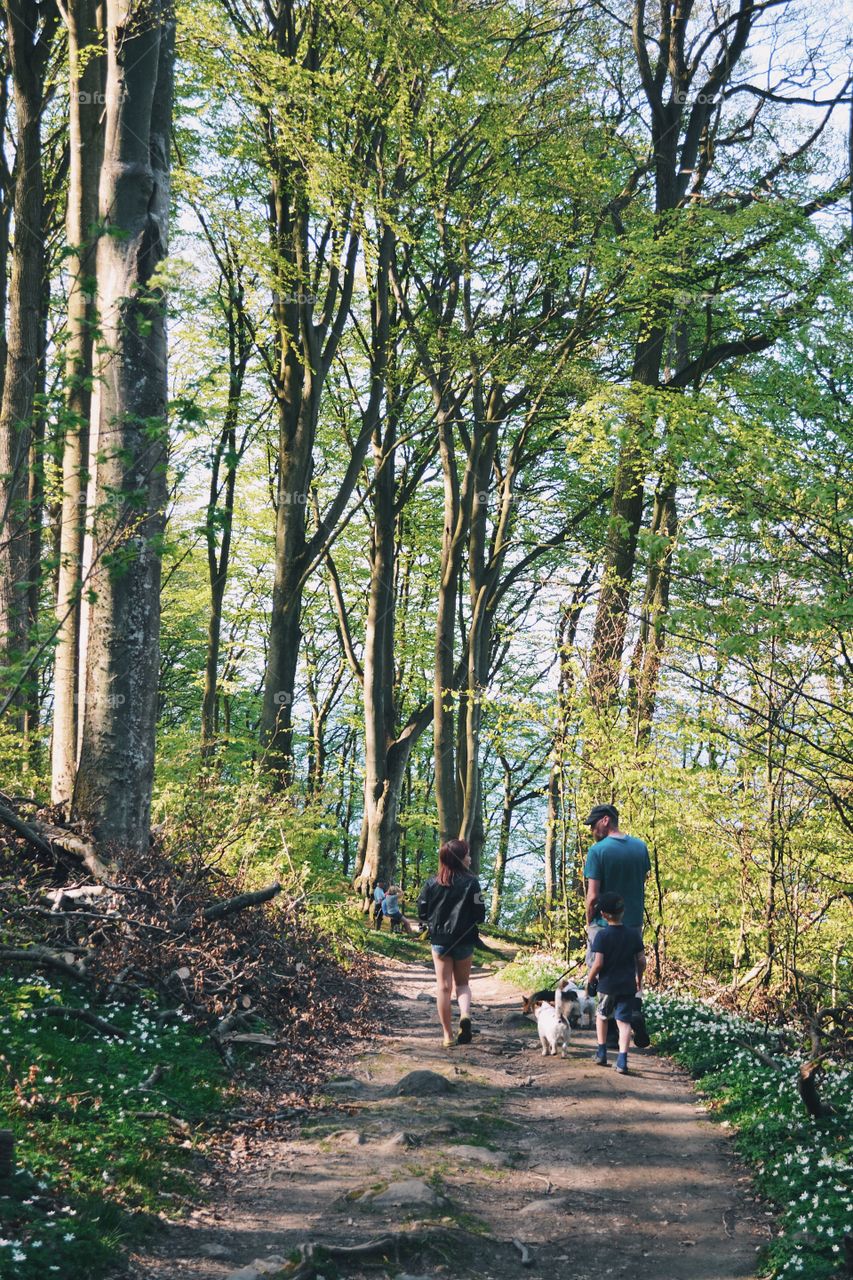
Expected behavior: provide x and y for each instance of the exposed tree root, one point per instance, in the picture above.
(313, 1255)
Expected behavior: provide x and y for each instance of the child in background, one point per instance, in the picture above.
(618, 964)
(391, 907)
(378, 899)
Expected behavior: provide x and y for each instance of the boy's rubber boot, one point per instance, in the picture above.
(465, 1032)
(622, 1064)
(601, 1055)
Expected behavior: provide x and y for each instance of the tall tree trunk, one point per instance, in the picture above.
(85, 22)
(499, 875)
(682, 99)
(457, 505)
(386, 752)
(378, 688)
(29, 29)
(297, 410)
(115, 774)
(479, 648)
(6, 201)
(221, 515)
(35, 510)
(567, 629)
(646, 659)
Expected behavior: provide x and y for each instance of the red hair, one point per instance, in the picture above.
(451, 858)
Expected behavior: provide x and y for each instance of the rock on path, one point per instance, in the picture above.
(594, 1174)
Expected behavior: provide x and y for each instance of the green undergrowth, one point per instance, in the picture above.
(97, 1156)
(400, 946)
(801, 1164)
(534, 971)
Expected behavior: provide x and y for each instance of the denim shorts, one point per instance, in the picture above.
(462, 951)
(620, 1007)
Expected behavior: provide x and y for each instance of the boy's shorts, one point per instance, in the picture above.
(461, 951)
(618, 1006)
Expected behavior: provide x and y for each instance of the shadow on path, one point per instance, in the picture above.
(596, 1174)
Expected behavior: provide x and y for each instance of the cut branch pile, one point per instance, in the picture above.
(187, 941)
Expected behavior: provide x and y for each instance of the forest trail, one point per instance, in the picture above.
(596, 1174)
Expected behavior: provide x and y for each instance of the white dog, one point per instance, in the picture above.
(553, 1030)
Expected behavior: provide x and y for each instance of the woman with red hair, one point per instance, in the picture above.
(451, 906)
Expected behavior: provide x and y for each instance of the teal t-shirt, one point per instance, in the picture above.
(620, 864)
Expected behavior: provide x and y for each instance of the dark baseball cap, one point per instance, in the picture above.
(601, 811)
(611, 903)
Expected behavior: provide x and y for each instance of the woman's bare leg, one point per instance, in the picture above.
(443, 990)
(461, 974)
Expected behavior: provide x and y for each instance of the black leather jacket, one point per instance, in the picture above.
(452, 912)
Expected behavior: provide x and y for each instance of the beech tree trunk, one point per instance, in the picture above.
(386, 750)
(85, 21)
(308, 333)
(566, 634)
(682, 99)
(29, 31)
(646, 659)
(35, 514)
(499, 873)
(129, 430)
(220, 505)
(6, 199)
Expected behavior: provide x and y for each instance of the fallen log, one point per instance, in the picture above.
(42, 958)
(760, 1054)
(250, 1037)
(229, 906)
(78, 848)
(25, 829)
(81, 1015)
(230, 1023)
(181, 1125)
(47, 838)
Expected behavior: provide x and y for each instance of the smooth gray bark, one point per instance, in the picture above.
(85, 22)
(129, 430)
(29, 32)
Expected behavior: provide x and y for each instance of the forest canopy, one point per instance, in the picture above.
(430, 418)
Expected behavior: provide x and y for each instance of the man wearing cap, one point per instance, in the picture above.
(616, 863)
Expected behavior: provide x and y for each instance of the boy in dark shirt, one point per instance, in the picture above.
(618, 964)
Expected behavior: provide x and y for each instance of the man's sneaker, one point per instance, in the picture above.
(622, 1063)
(642, 1039)
(601, 1055)
(448, 1043)
(465, 1033)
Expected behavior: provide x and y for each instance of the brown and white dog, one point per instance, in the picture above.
(577, 1006)
(572, 1003)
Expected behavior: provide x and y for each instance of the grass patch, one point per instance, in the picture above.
(534, 971)
(483, 1129)
(96, 1157)
(801, 1164)
(400, 946)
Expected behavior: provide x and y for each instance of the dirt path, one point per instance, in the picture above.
(595, 1173)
